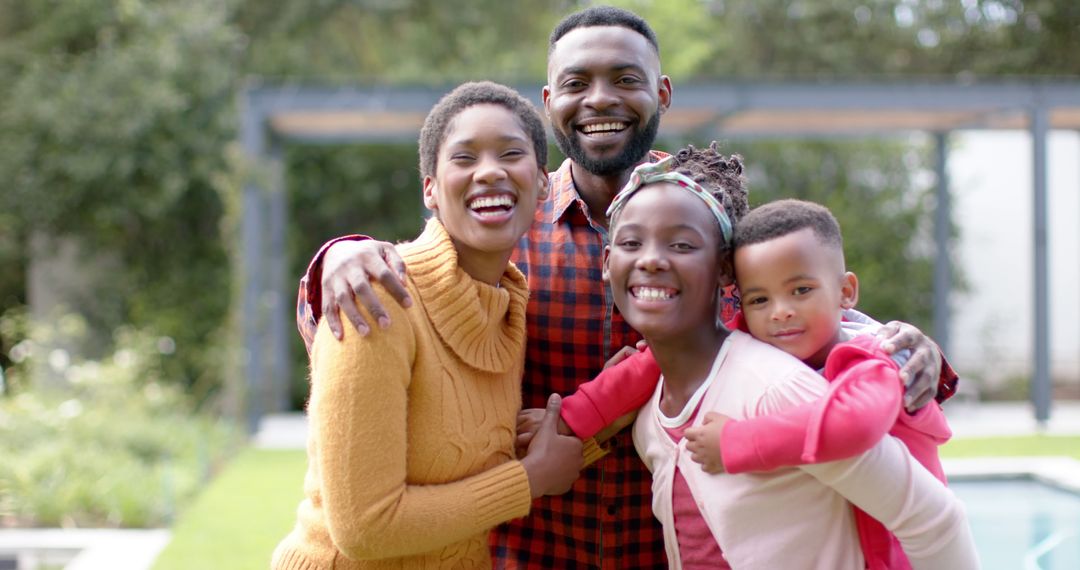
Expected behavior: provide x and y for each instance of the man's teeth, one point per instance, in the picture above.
(652, 294)
(603, 127)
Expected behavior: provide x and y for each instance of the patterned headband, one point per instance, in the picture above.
(664, 171)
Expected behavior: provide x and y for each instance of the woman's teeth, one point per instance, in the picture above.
(491, 205)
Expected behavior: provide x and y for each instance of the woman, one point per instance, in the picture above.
(411, 457)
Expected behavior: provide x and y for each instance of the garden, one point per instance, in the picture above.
(123, 399)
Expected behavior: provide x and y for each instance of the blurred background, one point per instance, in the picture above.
(121, 193)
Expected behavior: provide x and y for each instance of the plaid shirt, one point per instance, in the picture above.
(606, 520)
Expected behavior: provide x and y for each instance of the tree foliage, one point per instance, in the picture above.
(113, 129)
(419, 42)
(880, 39)
(117, 117)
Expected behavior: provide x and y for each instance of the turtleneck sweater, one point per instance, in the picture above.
(411, 446)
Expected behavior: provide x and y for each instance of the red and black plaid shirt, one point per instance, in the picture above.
(606, 520)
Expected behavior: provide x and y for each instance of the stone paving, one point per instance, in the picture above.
(81, 549)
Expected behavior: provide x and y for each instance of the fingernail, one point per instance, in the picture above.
(363, 331)
(384, 322)
(407, 302)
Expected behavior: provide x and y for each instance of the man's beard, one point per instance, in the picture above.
(632, 154)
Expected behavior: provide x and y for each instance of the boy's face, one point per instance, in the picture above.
(794, 289)
(604, 97)
(487, 184)
(662, 263)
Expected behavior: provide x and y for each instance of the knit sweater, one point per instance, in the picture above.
(411, 447)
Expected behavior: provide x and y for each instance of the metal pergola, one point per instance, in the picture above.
(272, 116)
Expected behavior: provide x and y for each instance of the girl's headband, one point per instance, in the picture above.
(664, 171)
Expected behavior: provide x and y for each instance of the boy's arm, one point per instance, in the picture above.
(859, 409)
(615, 392)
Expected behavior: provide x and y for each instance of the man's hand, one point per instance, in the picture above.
(553, 461)
(703, 442)
(349, 267)
(922, 371)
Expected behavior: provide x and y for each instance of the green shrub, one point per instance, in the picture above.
(116, 447)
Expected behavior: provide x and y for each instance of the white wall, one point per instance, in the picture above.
(991, 178)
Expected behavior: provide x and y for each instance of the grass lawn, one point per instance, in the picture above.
(1019, 446)
(239, 519)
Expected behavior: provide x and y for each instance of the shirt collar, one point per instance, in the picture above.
(564, 193)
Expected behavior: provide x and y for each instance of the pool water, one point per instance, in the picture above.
(1021, 524)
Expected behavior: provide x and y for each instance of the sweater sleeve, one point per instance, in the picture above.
(614, 393)
(860, 408)
(358, 409)
(889, 485)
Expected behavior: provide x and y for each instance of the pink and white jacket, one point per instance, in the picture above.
(862, 405)
(798, 517)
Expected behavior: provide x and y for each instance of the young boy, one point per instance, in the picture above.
(789, 268)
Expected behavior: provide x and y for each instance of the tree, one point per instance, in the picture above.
(113, 131)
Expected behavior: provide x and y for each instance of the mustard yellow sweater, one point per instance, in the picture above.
(411, 449)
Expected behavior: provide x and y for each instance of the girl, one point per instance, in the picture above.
(410, 455)
(670, 254)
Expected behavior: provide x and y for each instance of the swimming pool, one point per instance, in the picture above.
(1021, 523)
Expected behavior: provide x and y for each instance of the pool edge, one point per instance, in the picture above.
(1061, 472)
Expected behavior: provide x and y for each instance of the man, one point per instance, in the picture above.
(604, 98)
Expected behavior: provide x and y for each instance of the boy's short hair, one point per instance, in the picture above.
(603, 16)
(782, 217)
(433, 133)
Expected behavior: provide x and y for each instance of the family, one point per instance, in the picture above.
(772, 425)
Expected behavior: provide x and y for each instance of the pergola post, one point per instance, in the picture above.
(942, 231)
(1040, 382)
(253, 139)
(263, 268)
(277, 288)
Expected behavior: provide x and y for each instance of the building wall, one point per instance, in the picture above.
(992, 330)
